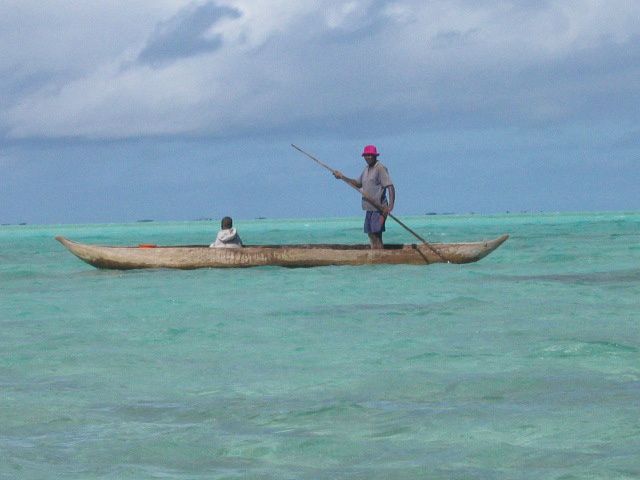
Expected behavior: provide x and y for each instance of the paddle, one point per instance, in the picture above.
(371, 201)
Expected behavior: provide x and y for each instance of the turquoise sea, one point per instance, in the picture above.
(525, 365)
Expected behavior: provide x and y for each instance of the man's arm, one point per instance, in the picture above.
(338, 174)
(386, 209)
(392, 196)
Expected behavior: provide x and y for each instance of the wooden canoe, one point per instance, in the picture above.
(201, 256)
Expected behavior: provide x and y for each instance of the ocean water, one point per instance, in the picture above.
(525, 365)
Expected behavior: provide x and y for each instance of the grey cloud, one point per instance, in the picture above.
(20, 85)
(16, 85)
(454, 38)
(594, 84)
(368, 71)
(183, 35)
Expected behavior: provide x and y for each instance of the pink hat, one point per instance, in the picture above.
(370, 150)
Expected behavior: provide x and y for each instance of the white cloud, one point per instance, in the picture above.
(284, 63)
(343, 14)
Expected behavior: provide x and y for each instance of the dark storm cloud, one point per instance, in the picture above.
(184, 35)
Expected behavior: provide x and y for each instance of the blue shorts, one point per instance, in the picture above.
(374, 222)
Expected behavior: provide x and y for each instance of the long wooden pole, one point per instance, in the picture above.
(370, 200)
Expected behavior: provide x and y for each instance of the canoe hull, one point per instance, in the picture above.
(192, 257)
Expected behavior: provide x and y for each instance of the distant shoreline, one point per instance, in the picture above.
(431, 215)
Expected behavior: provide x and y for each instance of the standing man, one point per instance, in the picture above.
(374, 182)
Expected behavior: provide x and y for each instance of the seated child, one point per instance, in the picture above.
(228, 236)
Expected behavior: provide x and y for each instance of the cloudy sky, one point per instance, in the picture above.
(176, 110)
